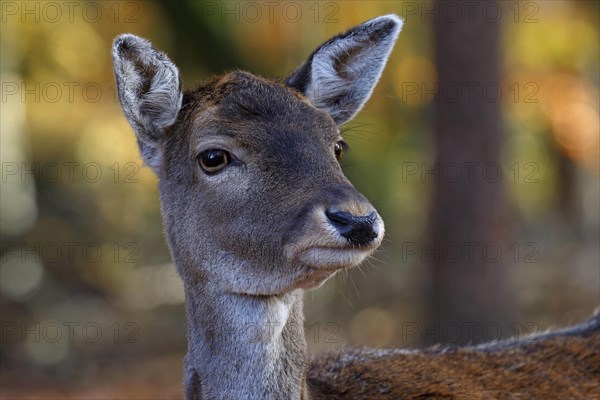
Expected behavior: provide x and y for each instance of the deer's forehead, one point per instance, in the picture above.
(253, 111)
(256, 134)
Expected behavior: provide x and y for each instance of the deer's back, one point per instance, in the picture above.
(563, 364)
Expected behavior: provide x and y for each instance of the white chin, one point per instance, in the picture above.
(329, 258)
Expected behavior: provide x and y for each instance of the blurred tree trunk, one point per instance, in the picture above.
(471, 290)
(569, 200)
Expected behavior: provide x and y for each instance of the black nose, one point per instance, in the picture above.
(357, 229)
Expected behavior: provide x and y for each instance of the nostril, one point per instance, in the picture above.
(346, 218)
(339, 217)
(357, 229)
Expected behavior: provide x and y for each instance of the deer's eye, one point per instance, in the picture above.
(213, 160)
(339, 149)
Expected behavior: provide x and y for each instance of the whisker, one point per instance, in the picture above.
(360, 269)
(354, 284)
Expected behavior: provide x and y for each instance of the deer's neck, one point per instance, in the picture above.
(244, 347)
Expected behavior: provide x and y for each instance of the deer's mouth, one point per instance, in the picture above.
(319, 263)
(334, 258)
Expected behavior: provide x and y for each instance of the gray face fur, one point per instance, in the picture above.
(262, 216)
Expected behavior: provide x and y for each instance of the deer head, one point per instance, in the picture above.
(248, 167)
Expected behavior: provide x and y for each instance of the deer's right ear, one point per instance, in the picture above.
(149, 90)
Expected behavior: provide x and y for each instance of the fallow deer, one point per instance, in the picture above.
(256, 210)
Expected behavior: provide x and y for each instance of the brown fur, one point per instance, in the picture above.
(561, 365)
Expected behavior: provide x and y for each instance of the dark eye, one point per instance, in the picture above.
(213, 160)
(339, 149)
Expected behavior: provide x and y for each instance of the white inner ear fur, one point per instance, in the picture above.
(152, 111)
(160, 105)
(361, 71)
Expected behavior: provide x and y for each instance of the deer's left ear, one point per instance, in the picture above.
(149, 91)
(340, 75)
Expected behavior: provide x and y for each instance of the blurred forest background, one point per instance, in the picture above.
(479, 147)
